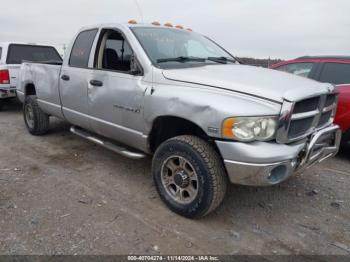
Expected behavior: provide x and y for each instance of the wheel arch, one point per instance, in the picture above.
(169, 126)
(29, 89)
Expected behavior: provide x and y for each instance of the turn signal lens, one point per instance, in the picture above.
(227, 128)
(132, 22)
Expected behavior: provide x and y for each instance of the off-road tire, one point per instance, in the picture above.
(41, 120)
(212, 177)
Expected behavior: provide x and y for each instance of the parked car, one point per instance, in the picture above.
(11, 56)
(155, 90)
(327, 69)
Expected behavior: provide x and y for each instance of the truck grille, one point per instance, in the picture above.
(302, 118)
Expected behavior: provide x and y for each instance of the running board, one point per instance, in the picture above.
(115, 148)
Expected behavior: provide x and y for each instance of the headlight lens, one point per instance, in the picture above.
(249, 129)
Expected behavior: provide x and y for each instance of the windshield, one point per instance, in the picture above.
(174, 48)
(19, 53)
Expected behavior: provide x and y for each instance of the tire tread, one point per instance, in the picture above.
(215, 166)
(42, 120)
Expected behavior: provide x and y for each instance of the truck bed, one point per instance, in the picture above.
(45, 77)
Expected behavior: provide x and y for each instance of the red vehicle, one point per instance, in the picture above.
(330, 69)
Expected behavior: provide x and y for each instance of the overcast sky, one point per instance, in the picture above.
(254, 28)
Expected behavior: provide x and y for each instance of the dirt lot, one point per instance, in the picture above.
(60, 194)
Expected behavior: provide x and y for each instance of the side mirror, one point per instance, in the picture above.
(135, 68)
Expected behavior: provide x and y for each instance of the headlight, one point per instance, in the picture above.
(249, 129)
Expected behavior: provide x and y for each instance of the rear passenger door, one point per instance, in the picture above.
(74, 78)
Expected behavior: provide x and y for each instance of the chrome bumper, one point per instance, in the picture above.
(263, 164)
(7, 93)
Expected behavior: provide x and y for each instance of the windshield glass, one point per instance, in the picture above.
(174, 48)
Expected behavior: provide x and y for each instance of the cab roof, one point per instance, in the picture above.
(128, 25)
(7, 43)
(325, 57)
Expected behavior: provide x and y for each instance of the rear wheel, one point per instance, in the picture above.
(189, 176)
(37, 121)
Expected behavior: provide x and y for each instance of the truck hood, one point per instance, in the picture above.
(255, 81)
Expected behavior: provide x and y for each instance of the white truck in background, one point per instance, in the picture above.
(11, 57)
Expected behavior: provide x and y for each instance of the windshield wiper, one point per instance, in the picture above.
(181, 59)
(221, 59)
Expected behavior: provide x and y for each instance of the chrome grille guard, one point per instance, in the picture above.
(287, 116)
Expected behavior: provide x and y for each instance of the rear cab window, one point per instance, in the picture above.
(0, 52)
(18, 53)
(81, 49)
(335, 73)
(301, 69)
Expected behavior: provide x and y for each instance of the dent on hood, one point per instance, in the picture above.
(259, 82)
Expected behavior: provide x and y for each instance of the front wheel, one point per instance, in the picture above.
(189, 176)
(345, 139)
(37, 121)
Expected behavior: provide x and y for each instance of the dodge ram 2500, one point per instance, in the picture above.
(145, 89)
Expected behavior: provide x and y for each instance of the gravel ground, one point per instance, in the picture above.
(60, 194)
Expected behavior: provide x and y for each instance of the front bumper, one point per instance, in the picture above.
(263, 164)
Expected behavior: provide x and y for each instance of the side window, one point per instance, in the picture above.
(300, 69)
(336, 73)
(81, 49)
(114, 52)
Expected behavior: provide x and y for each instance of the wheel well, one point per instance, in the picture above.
(30, 90)
(166, 127)
(346, 137)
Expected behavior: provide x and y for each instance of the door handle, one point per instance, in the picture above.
(65, 77)
(96, 83)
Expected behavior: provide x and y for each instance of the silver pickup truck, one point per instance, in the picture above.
(146, 89)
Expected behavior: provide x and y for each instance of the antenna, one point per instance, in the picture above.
(139, 9)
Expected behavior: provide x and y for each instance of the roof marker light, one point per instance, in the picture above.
(156, 23)
(189, 29)
(179, 27)
(132, 22)
(168, 24)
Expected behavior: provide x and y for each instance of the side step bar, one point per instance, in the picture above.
(115, 148)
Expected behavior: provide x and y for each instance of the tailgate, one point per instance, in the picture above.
(13, 71)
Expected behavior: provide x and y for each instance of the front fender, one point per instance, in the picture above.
(205, 107)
